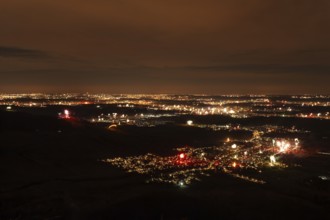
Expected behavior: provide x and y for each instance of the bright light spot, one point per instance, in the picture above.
(182, 156)
(181, 183)
(278, 143)
(323, 177)
(9, 108)
(245, 153)
(190, 122)
(283, 146)
(234, 165)
(228, 140)
(272, 159)
(66, 113)
(232, 111)
(234, 146)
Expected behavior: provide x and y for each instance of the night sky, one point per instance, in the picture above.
(168, 46)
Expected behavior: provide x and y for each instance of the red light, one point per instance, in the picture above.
(182, 156)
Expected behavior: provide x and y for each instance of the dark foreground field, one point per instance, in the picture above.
(51, 169)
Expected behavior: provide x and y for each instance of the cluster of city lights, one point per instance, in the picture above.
(229, 105)
(65, 115)
(191, 164)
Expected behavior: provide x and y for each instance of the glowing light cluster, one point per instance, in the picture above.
(285, 146)
(66, 113)
(253, 105)
(191, 164)
(182, 156)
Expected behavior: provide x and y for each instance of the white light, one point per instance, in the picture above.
(234, 146)
(283, 146)
(190, 122)
(8, 108)
(66, 113)
(278, 143)
(323, 177)
(272, 159)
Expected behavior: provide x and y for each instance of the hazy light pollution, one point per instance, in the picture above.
(153, 46)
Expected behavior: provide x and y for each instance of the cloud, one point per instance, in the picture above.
(152, 43)
(15, 52)
(264, 69)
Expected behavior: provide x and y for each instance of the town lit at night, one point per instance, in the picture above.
(169, 110)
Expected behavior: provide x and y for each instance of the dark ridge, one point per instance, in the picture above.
(20, 121)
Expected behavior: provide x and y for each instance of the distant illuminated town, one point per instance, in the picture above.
(265, 147)
(159, 106)
(233, 158)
